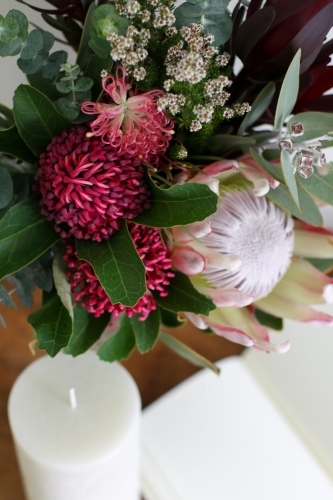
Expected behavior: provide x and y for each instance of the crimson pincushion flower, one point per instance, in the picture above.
(87, 289)
(129, 121)
(87, 187)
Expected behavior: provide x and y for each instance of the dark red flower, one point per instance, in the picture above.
(87, 289)
(271, 35)
(87, 188)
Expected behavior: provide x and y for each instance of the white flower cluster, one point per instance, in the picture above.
(171, 101)
(130, 49)
(157, 11)
(190, 63)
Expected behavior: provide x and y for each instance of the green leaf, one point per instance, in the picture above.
(53, 326)
(324, 265)
(182, 296)
(259, 106)
(25, 234)
(170, 319)
(87, 330)
(146, 332)
(120, 345)
(51, 66)
(289, 176)
(268, 320)
(83, 84)
(315, 125)
(5, 297)
(187, 353)
(273, 170)
(106, 19)
(225, 143)
(93, 70)
(11, 143)
(117, 265)
(177, 206)
(61, 284)
(69, 109)
(289, 92)
(44, 85)
(30, 66)
(6, 187)
(36, 118)
(320, 186)
(32, 45)
(309, 211)
(13, 32)
(85, 51)
(99, 46)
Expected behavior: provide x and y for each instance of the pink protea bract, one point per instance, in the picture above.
(87, 187)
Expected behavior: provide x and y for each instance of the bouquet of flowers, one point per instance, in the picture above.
(174, 171)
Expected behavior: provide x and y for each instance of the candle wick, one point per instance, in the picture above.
(72, 398)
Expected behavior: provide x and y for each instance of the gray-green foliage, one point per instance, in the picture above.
(76, 88)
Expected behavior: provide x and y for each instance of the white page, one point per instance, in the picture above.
(222, 438)
(301, 381)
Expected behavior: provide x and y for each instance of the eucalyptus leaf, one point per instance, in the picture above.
(13, 32)
(273, 170)
(83, 84)
(67, 108)
(53, 326)
(120, 345)
(36, 118)
(87, 330)
(30, 66)
(106, 19)
(25, 234)
(187, 353)
(60, 282)
(315, 123)
(308, 211)
(258, 107)
(179, 205)
(6, 298)
(146, 332)
(117, 265)
(23, 292)
(289, 176)
(32, 45)
(51, 66)
(289, 92)
(6, 187)
(11, 143)
(182, 296)
(320, 186)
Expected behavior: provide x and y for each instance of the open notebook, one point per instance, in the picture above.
(262, 430)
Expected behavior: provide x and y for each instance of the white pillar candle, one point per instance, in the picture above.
(75, 423)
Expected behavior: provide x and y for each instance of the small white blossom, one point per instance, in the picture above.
(195, 126)
(228, 113)
(139, 73)
(223, 59)
(133, 7)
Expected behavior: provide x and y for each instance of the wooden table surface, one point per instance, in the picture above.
(155, 373)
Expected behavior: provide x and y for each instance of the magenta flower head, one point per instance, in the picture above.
(87, 187)
(273, 32)
(87, 289)
(128, 121)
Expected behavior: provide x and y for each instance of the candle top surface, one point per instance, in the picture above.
(47, 425)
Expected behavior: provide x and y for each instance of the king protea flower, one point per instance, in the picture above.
(249, 253)
(130, 122)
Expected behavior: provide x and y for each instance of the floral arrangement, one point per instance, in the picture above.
(174, 171)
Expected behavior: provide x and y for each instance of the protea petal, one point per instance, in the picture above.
(216, 259)
(212, 183)
(188, 261)
(249, 167)
(229, 297)
(220, 167)
(195, 230)
(261, 185)
(313, 242)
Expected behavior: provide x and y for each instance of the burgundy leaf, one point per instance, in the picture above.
(252, 30)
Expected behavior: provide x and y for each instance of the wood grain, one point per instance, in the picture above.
(155, 373)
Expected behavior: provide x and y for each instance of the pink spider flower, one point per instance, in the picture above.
(87, 289)
(250, 255)
(87, 188)
(130, 122)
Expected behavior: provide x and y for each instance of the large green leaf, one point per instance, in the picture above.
(53, 326)
(260, 104)
(289, 176)
(146, 332)
(36, 118)
(320, 186)
(25, 234)
(289, 92)
(315, 125)
(87, 330)
(120, 345)
(179, 205)
(187, 353)
(309, 211)
(6, 187)
(117, 265)
(182, 296)
(93, 70)
(12, 144)
(85, 51)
